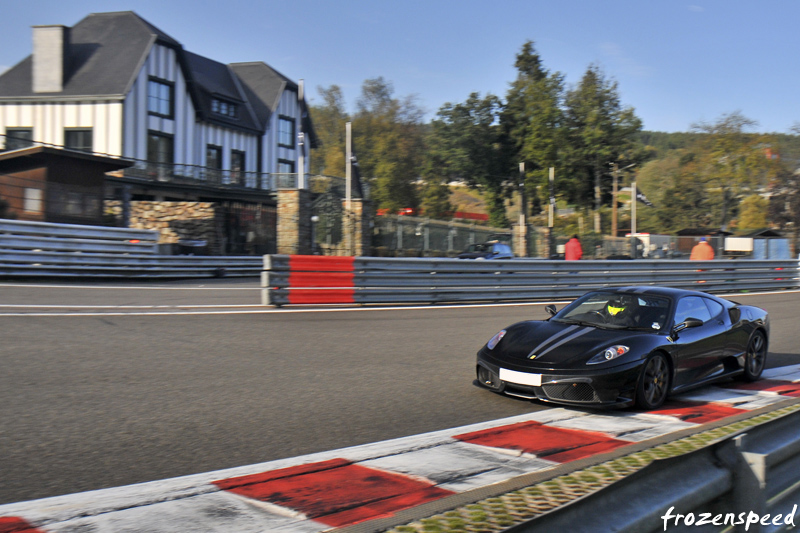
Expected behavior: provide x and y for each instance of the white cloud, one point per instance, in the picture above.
(697, 9)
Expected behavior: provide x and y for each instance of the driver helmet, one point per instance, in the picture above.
(616, 305)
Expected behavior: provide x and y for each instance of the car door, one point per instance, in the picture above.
(500, 251)
(700, 350)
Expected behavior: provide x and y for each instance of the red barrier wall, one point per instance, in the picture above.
(315, 279)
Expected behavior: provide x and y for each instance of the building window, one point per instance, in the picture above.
(285, 167)
(78, 139)
(33, 200)
(160, 96)
(286, 132)
(17, 138)
(213, 163)
(237, 167)
(214, 157)
(160, 148)
(227, 109)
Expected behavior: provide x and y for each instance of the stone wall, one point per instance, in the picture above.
(294, 221)
(357, 235)
(175, 221)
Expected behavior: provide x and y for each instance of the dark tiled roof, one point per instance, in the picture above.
(105, 53)
(41, 154)
(268, 84)
(107, 50)
(210, 80)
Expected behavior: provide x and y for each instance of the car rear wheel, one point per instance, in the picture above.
(653, 386)
(756, 357)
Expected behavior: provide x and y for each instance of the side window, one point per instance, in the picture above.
(714, 308)
(691, 307)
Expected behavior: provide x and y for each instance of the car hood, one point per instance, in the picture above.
(540, 344)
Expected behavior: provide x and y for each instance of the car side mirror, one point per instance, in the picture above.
(551, 310)
(686, 324)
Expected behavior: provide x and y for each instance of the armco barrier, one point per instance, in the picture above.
(45, 236)
(119, 266)
(39, 249)
(325, 279)
(290, 279)
(744, 476)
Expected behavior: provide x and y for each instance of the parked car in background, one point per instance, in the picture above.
(487, 250)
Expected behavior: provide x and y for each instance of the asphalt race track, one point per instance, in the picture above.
(112, 384)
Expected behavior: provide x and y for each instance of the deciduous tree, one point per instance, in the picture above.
(753, 212)
(732, 162)
(388, 135)
(329, 119)
(467, 141)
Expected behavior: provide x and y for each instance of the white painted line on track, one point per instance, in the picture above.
(131, 287)
(199, 306)
(181, 310)
(264, 310)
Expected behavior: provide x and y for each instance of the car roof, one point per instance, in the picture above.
(669, 292)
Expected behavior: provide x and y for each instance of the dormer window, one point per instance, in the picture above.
(224, 108)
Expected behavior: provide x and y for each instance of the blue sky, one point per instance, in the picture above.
(676, 62)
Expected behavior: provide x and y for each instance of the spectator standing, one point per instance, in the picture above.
(702, 251)
(573, 250)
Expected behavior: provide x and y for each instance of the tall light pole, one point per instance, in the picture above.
(551, 214)
(522, 247)
(301, 161)
(615, 191)
(634, 199)
(348, 187)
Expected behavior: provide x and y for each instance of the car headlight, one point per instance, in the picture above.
(496, 339)
(608, 354)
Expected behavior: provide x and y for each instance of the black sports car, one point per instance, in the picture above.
(625, 346)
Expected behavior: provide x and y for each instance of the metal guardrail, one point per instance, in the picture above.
(27, 235)
(394, 280)
(124, 266)
(744, 476)
(73, 231)
(39, 249)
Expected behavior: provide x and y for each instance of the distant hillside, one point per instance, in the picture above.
(788, 145)
(664, 142)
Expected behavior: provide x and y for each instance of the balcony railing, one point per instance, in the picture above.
(211, 177)
(201, 176)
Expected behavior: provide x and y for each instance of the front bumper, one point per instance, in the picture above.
(596, 386)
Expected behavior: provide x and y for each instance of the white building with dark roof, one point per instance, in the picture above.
(115, 84)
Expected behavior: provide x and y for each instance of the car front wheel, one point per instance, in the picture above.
(653, 386)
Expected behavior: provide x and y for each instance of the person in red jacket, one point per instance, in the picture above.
(573, 250)
(702, 251)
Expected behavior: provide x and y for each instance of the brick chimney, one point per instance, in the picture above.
(50, 46)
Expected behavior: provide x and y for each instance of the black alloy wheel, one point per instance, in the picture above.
(653, 386)
(756, 357)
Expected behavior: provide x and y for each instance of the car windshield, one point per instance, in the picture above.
(478, 248)
(618, 310)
